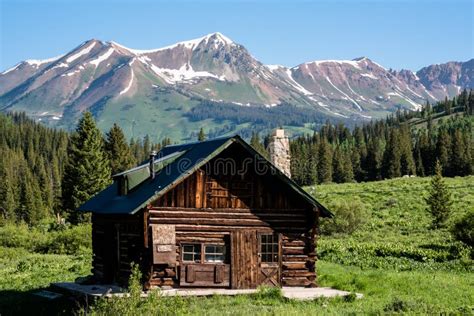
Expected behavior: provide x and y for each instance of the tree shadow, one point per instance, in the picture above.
(28, 303)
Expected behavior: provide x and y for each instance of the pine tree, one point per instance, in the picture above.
(391, 161)
(359, 173)
(457, 161)
(447, 106)
(407, 163)
(201, 135)
(324, 162)
(312, 162)
(87, 170)
(439, 199)
(426, 152)
(146, 148)
(7, 201)
(420, 169)
(118, 152)
(443, 145)
(470, 106)
(256, 144)
(468, 153)
(373, 163)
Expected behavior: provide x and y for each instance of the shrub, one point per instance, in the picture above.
(348, 217)
(399, 306)
(73, 240)
(134, 283)
(351, 297)
(47, 238)
(463, 229)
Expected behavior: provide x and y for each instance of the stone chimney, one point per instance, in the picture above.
(279, 149)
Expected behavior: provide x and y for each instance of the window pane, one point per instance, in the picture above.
(214, 253)
(275, 248)
(191, 252)
(269, 248)
(188, 248)
(210, 249)
(214, 258)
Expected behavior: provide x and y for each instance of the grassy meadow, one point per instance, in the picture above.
(393, 257)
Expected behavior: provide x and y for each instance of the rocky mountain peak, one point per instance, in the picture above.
(116, 83)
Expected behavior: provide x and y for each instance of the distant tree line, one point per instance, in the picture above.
(264, 117)
(405, 143)
(48, 173)
(45, 172)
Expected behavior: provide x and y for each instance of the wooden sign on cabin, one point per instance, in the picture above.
(164, 244)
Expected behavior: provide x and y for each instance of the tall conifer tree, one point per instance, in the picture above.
(439, 199)
(87, 170)
(118, 151)
(324, 162)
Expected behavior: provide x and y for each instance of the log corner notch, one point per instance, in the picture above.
(196, 227)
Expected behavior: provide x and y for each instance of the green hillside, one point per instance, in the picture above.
(393, 258)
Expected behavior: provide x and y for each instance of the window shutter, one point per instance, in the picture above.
(219, 274)
(190, 274)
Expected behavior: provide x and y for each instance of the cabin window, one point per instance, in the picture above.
(192, 252)
(269, 247)
(214, 253)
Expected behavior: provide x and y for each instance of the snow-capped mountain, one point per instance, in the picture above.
(150, 91)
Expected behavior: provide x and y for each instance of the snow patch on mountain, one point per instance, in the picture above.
(369, 75)
(352, 63)
(61, 65)
(344, 94)
(415, 105)
(38, 62)
(295, 84)
(11, 69)
(185, 73)
(274, 67)
(96, 62)
(132, 77)
(80, 53)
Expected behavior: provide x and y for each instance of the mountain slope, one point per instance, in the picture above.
(154, 91)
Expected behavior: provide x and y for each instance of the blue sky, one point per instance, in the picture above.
(397, 34)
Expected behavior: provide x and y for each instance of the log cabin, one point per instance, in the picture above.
(207, 214)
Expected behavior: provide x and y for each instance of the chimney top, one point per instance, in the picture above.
(279, 150)
(279, 132)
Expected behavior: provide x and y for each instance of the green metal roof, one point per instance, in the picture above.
(173, 164)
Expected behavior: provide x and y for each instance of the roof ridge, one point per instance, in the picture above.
(202, 141)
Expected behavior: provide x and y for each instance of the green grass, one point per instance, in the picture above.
(23, 273)
(384, 291)
(397, 234)
(395, 260)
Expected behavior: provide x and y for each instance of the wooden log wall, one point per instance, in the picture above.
(117, 242)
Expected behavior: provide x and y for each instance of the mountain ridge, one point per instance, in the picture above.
(122, 84)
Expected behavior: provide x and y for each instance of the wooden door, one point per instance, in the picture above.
(244, 259)
(111, 253)
(269, 254)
